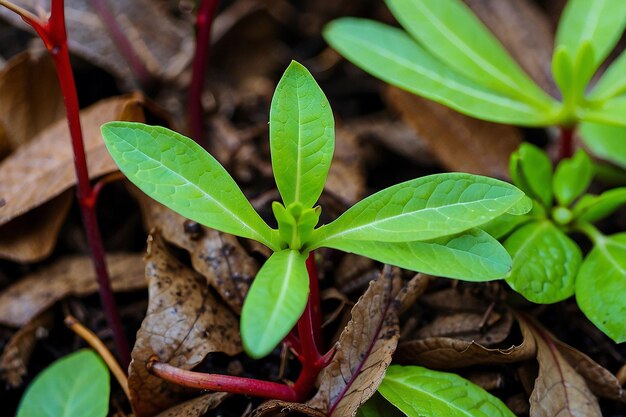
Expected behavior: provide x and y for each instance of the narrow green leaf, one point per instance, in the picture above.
(393, 56)
(531, 171)
(598, 22)
(605, 141)
(563, 71)
(274, 302)
(420, 392)
(572, 74)
(601, 285)
(178, 173)
(377, 406)
(611, 112)
(451, 32)
(545, 262)
(471, 256)
(591, 208)
(424, 208)
(612, 83)
(77, 385)
(302, 136)
(572, 177)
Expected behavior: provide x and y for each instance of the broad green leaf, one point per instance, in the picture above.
(505, 224)
(605, 141)
(597, 22)
(471, 256)
(302, 136)
(393, 56)
(450, 31)
(531, 171)
(592, 208)
(177, 172)
(612, 112)
(77, 385)
(601, 286)
(275, 302)
(425, 208)
(420, 392)
(377, 406)
(545, 262)
(612, 83)
(572, 177)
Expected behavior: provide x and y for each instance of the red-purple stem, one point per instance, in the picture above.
(566, 142)
(204, 22)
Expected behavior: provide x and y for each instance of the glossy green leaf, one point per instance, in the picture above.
(76, 385)
(572, 177)
(612, 83)
(178, 173)
(275, 302)
(545, 262)
(377, 406)
(592, 208)
(425, 208)
(601, 286)
(612, 112)
(420, 392)
(471, 256)
(302, 136)
(605, 141)
(450, 31)
(597, 22)
(393, 56)
(505, 224)
(531, 171)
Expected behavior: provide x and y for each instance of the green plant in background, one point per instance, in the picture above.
(548, 265)
(76, 385)
(428, 224)
(447, 55)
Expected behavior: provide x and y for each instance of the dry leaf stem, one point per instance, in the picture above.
(54, 36)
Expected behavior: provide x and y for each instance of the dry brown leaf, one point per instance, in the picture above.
(32, 236)
(184, 323)
(454, 300)
(364, 350)
(69, 276)
(460, 142)
(346, 178)
(196, 407)
(412, 291)
(354, 272)
(17, 352)
(43, 168)
(219, 257)
(486, 330)
(31, 97)
(275, 408)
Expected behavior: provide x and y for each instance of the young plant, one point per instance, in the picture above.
(449, 56)
(428, 224)
(548, 265)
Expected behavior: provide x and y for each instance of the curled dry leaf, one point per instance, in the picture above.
(69, 276)
(219, 257)
(17, 352)
(275, 408)
(184, 323)
(43, 168)
(196, 407)
(453, 300)
(364, 350)
(486, 329)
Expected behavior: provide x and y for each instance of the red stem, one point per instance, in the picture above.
(204, 21)
(566, 142)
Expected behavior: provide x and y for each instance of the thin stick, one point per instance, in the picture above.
(93, 341)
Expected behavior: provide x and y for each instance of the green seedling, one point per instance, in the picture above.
(428, 224)
(76, 385)
(447, 55)
(548, 266)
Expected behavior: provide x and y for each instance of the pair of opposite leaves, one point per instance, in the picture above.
(427, 224)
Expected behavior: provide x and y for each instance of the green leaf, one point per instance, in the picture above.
(471, 256)
(545, 262)
(425, 208)
(377, 406)
(572, 74)
(563, 72)
(505, 224)
(77, 385)
(572, 177)
(592, 208)
(451, 32)
(393, 56)
(601, 286)
(420, 392)
(531, 171)
(605, 141)
(612, 83)
(611, 112)
(178, 173)
(302, 136)
(274, 302)
(599, 23)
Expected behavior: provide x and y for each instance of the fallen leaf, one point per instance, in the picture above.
(196, 407)
(412, 291)
(43, 168)
(354, 272)
(489, 330)
(276, 408)
(454, 300)
(364, 350)
(69, 276)
(17, 352)
(184, 323)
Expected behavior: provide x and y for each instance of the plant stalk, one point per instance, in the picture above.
(566, 142)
